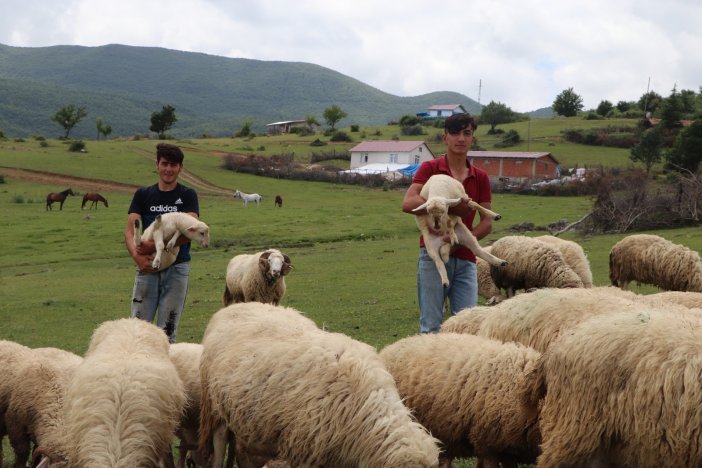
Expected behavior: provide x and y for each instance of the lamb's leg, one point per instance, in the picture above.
(465, 237)
(172, 242)
(219, 442)
(158, 241)
(484, 211)
(433, 245)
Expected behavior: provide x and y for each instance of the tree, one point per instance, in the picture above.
(671, 110)
(604, 108)
(686, 153)
(162, 121)
(333, 114)
(496, 113)
(102, 128)
(245, 129)
(623, 106)
(649, 102)
(568, 103)
(311, 121)
(649, 150)
(68, 117)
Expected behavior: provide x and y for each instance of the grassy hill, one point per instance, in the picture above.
(212, 95)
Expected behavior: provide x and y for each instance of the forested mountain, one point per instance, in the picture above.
(212, 95)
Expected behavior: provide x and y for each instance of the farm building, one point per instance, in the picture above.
(277, 128)
(394, 152)
(515, 166)
(442, 110)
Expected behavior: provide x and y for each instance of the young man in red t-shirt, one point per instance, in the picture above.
(462, 273)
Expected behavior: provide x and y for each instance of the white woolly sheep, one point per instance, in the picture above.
(288, 389)
(651, 259)
(258, 277)
(442, 192)
(35, 408)
(12, 357)
(531, 264)
(469, 398)
(125, 399)
(683, 298)
(169, 227)
(186, 359)
(622, 389)
(538, 318)
(574, 256)
(486, 286)
(248, 197)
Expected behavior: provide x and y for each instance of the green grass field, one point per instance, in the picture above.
(354, 252)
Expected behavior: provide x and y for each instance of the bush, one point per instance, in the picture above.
(43, 143)
(340, 136)
(354, 128)
(318, 142)
(412, 130)
(77, 146)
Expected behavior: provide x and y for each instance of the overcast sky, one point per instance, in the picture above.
(518, 52)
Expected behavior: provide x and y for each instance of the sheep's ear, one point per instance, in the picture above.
(421, 207)
(263, 261)
(287, 265)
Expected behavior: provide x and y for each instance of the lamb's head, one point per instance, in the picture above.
(437, 211)
(274, 264)
(199, 231)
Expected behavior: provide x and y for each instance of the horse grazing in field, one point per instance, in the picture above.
(248, 197)
(57, 197)
(94, 198)
(278, 201)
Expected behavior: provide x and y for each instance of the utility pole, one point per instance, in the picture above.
(480, 87)
(646, 98)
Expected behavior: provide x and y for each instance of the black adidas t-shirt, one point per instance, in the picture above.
(150, 202)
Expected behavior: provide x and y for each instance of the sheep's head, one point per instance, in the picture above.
(437, 210)
(274, 264)
(199, 232)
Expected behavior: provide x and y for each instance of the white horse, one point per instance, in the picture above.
(248, 197)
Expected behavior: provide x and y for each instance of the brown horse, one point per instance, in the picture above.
(57, 197)
(94, 198)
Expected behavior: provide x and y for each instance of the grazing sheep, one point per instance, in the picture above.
(442, 192)
(531, 264)
(278, 201)
(469, 398)
(486, 286)
(13, 357)
(683, 298)
(168, 227)
(258, 277)
(35, 408)
(623, 390)
(248, 197)
(574, 256)
(288, 389)
(538, 318)
(650, 259)
(125, 399)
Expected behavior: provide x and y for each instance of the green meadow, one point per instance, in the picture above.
(63, 272)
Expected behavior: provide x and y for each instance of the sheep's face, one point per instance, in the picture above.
(200, 232)
(437, 210)
(274, 265)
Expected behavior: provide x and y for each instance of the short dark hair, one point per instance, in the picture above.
(169, 152)
(458, 122)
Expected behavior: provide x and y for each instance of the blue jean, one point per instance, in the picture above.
(462, 291)
(164, 291)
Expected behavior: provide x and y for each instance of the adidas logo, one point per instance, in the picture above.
(179, 202)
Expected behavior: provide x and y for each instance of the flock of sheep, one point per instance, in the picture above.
(563, 374)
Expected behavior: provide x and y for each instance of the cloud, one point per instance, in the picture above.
(518, 52)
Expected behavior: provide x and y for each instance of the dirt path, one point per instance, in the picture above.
(96, 185)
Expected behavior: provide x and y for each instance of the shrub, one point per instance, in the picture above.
(318, 142)
(340, 136)
(354, 128)
(43, 143)
(77, 146)
(412, 130)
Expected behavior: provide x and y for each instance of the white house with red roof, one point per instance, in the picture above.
(392, 154)
(444, 110)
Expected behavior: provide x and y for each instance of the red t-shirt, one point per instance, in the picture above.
(477, 186)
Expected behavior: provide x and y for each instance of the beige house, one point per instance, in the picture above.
(393, 154)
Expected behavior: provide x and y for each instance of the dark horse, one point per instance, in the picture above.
(57, 197)
(94, 198)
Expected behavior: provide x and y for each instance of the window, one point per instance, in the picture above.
(416, 159)
(364, 157)
(420, 149)
(393, 158)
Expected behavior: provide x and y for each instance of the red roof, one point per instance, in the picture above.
(384, 146)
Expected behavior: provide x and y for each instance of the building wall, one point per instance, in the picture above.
(542, 168)
(380, 157)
